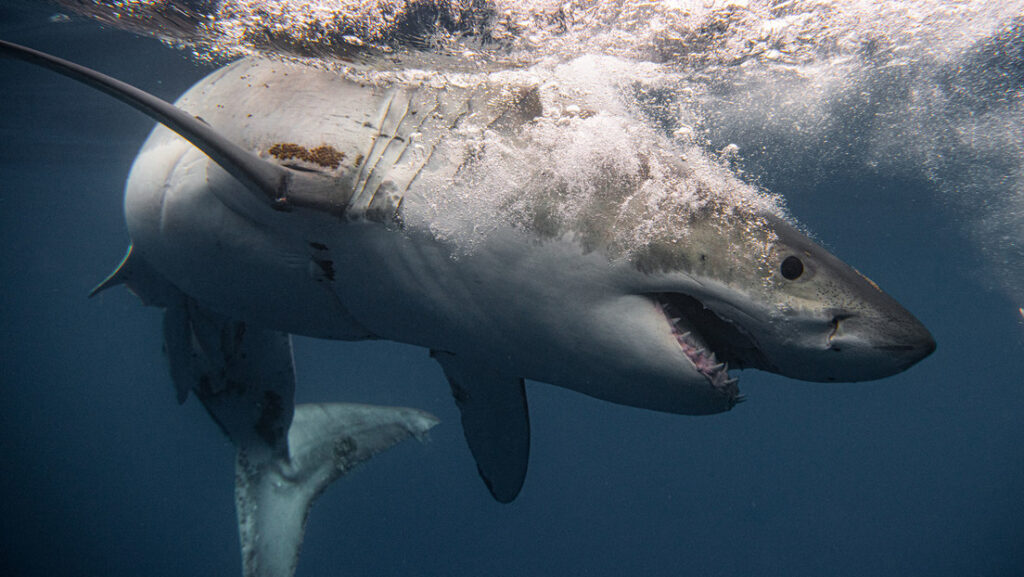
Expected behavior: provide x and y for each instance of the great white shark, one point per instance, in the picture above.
(276, 198)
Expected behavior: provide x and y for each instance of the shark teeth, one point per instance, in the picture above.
(702, 357)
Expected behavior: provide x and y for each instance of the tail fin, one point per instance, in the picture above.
(244, 377)
(274, 492)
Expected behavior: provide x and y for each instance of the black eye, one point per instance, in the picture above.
(792, 268)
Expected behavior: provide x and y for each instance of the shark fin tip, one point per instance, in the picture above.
(118, 277)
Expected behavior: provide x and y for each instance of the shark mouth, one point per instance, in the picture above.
(712, 343)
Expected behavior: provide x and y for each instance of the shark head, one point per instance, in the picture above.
(711, 278)
(783, 304)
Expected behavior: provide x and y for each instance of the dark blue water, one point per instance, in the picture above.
(104, 474)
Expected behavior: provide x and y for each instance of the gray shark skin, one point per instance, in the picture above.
(512, 226)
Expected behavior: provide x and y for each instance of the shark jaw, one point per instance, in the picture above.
(709, 342)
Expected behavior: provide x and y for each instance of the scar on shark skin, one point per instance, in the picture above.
(323, 155)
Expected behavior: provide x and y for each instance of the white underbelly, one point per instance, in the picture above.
(235, 265)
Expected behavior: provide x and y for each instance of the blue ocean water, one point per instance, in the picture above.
(104, 474)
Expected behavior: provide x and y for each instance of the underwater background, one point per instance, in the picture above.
(911, 172)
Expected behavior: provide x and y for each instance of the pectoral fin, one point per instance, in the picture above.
(266, 180)
(495, 421)
(268, 183)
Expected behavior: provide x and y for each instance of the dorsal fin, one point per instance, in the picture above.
(267, 180)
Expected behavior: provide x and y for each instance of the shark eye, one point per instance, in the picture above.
(792, 267)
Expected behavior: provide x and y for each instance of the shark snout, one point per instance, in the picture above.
(872, 346)
(914, 344)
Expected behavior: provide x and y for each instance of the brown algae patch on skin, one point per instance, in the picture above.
(324, 155)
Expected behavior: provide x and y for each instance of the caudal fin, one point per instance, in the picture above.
(274, 492)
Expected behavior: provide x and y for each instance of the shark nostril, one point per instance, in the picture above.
(838, 318)
(834, 324)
